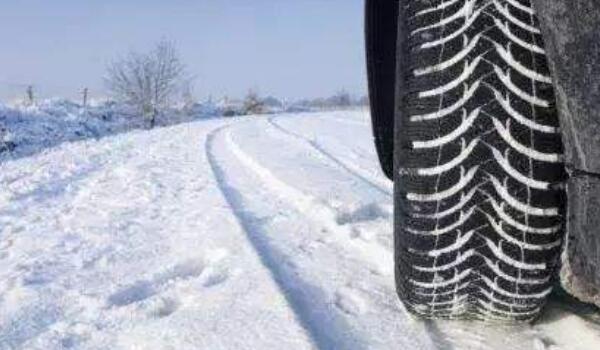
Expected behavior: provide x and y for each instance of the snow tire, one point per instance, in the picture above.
(479, 173)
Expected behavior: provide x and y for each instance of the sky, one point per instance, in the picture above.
(287, 48)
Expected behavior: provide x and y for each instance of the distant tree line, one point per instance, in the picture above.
(156, 83)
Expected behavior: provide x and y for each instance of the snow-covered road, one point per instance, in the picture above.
(243, 233)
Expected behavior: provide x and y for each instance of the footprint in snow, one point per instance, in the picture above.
(368, 212)
(211, 271)
(137, 292)
(350, 301)
(215, 276)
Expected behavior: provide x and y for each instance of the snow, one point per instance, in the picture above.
(28, 129)
(269, 232)
(51, 122)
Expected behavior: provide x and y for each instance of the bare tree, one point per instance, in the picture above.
(253, 104)
(147, 81)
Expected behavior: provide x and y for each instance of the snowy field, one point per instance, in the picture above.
(242, 233)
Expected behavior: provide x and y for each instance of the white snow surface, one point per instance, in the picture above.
(269, 232)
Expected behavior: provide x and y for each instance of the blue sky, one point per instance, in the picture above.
(289, 48)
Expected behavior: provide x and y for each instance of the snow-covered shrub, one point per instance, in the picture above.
(6, 142)
(27, 129)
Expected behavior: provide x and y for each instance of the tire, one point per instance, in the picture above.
(381, 21)
(479, 169)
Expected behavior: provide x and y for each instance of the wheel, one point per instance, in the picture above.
(478, 161)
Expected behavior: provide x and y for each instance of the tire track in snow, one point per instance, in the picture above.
(309, 303)
(350, 169)
(345, 247)
(315, 210)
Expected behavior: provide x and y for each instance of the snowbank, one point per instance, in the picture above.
(25, 130)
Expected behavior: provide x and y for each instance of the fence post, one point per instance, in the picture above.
(85, 97)
(30, 96)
